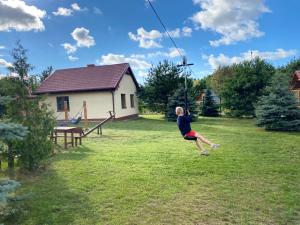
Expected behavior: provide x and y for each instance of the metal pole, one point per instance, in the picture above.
(184, 65)
(86, 125)
(185, 93)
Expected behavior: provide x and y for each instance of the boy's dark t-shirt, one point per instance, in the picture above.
(184, 124)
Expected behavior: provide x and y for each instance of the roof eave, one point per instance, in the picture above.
(74, 91)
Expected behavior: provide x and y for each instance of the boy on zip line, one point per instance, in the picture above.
(184, 125)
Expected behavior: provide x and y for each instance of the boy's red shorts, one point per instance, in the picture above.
(192, 133)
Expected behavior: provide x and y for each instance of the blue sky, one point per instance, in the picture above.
(64, 33)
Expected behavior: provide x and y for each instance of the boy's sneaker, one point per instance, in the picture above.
(214, 146)
(205, 153)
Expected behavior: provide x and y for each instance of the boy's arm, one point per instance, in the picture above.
(188, 116)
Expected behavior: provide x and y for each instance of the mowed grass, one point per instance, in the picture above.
(143, 172)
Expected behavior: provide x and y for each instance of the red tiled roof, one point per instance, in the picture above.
(85, 79)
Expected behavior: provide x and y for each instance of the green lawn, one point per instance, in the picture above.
(143, 172)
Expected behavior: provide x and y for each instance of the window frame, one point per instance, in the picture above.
(123, 101)
(60, 106)
(132, 101)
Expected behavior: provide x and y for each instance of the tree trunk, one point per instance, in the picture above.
(10, 157)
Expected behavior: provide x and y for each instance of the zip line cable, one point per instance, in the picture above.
(163, 25)
(184, 60)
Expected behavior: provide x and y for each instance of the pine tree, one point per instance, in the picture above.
(178, 99)
(209, 107)
(277, 109)
(32, 113)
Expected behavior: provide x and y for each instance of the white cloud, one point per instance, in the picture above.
(82, 37)
(223, 60)
(2, 47)
(63, 12)
(4, 63)
(235, 20)
(174, 33)
(17, 15)
(73, 58)
(172, 53)
(75, 7)
(278, 54)
(97, 11)
(187, 31)
(69, 48)
(137, 64)
(152, 39)
(142, 73)
(138, 56)
(183, 32)
(147, 39)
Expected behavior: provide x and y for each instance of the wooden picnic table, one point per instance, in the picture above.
(65, 131)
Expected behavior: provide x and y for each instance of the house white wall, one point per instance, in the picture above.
(98, 103)
(126, 87)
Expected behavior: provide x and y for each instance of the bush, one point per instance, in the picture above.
(28, 111)
(240, 90)
(36, 147)
(161, 83)
(8, 209)
(277, 109)
(209, 106)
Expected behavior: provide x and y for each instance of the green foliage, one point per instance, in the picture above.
(178, 99)
(29, 112)
(20, 65)
(11, 132)
(160, 84)
(46, 73)
(10, 206)
(6, 188)
(290, 68)
(217, 79)
(277, 109)
(199, 87)
(36, 147)
(209, 106)
(241, 90)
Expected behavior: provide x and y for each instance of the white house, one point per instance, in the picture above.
(103, 88)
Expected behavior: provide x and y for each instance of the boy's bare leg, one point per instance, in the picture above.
(204, 140)
(201, 148)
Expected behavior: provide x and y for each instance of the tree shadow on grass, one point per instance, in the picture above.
(78, 153)
(55, 197)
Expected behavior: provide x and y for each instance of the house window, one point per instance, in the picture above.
(132, 100)
(60, 103)
(123, 101)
